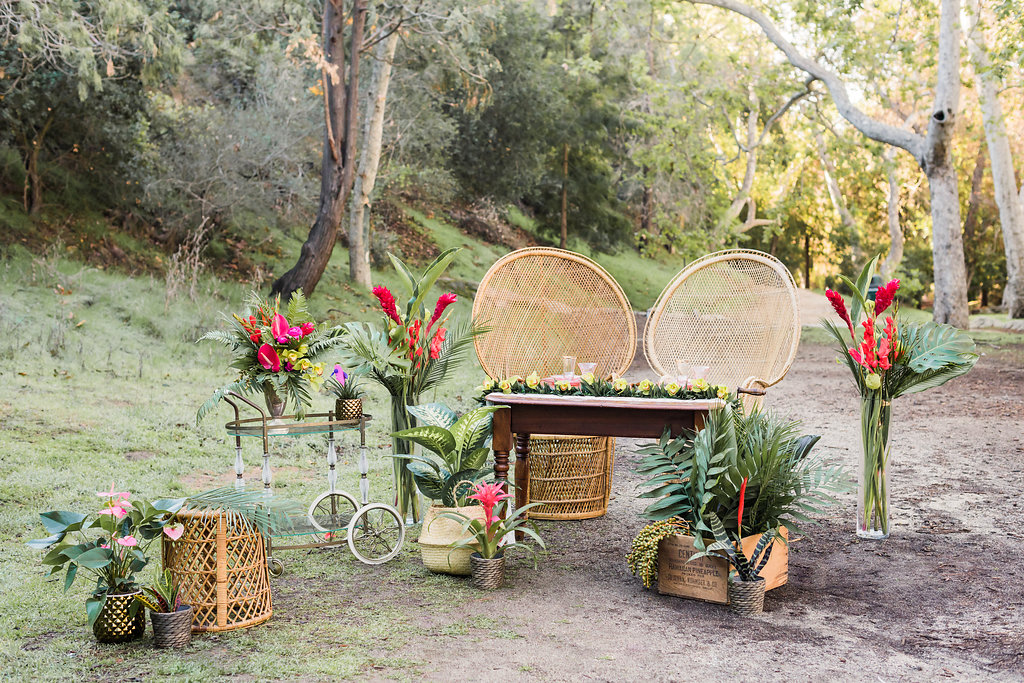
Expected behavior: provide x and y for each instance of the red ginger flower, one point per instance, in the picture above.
(739, 515)
(489, 496)
(443, 302)
(885, 295)
(436, 342)
(387, 302)
(839, 306)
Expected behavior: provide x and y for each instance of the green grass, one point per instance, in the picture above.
(99, 382)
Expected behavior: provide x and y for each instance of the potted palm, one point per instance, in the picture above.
(111, 544)
(491, 537)
(172, 620)
(458, 449)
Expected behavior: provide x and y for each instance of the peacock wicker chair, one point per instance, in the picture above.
(735, 311)
(541, 304)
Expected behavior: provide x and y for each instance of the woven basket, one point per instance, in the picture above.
(489, 573)
(438, 535)
(747, 597)
(115, 623)
(348, 409)
(172, 629)
(220, 563)
(570, 475)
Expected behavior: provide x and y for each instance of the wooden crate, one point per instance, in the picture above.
(707, 578)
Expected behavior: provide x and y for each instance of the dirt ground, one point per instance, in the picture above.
(941, 598)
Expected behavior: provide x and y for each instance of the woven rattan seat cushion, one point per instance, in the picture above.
(735, 311)
(541, 304)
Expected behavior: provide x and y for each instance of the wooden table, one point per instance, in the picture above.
(584, 416)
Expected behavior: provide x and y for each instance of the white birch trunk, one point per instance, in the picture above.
(1009, 199)
(895, 255)
(369, 163)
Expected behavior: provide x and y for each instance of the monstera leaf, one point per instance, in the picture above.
(936, 346)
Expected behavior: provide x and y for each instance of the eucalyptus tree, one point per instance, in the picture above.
(56, 54)
(931, 150)
(1009, 197)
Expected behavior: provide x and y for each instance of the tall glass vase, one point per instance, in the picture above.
(407, 497)
(873, 490)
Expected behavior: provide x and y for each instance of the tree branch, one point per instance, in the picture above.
(871, 127)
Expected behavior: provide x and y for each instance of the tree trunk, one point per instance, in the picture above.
(1009, 199)
(32, 193)
(834, 194)
(337, 168)
(973, 203)
(807, 259)
(565, 197)
(369, 163)
(932, 151)
(892, 210)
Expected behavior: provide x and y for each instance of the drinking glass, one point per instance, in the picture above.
(587, 368)
(568, 367)
(683, 368)
(701, 372)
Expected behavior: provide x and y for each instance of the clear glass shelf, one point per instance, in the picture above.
(288, 425)
(301, 527)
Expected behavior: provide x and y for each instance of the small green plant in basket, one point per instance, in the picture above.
(343, 385)
(163, 596)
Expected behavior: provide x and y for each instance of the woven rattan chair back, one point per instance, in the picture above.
(735, 311)
(541, 304)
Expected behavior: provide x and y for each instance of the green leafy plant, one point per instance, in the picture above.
(485, 537)
(163, 596)
(344, 386)
(701, 472)
(461, 447)
(747, 569)
(116, 554)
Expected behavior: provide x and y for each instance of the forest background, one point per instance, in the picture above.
(162, 136)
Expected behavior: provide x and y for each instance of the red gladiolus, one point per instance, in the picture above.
(436, 342)
(443, 302)
(279, 328)
(885, 295)
(739, 515)
(387, 302)
(839, 306)
(268, 358)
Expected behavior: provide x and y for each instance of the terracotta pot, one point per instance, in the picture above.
(115, 623)
(439, 533)
(172, 629)
(488, 573)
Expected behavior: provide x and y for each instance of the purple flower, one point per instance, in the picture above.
(295, 332)
(288, 366)
(339, 375)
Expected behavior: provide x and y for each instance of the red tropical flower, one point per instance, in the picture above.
(268, 358)
(279, 328)
(885, 295)
(489, 495)
(255, 336)
(839, 306)
(436, 342)
(443, 302)
(739, 515)
(387, 302)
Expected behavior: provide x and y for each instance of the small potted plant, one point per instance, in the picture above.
(488, 561)
(347, 392)
(172, 621)
(459, 451)
(746, 586)
(115, 554)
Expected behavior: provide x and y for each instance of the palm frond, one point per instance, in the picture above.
(270, 514)
(240, 386)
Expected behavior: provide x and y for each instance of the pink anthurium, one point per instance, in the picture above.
(116, 510)
(279, 327)
(174, 532)
(128, 541)
(112, 493)
(268, 358)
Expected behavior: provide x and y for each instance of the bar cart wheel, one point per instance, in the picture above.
(332, 510)
(275, 567)
(376, 533)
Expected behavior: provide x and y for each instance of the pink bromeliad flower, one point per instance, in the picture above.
(885, 295)
(387, 303)
(489, 496)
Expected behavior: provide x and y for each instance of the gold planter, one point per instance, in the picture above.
(115, 624)
(438, 535)
(348, 408)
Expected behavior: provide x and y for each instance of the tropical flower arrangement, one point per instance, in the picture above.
(275, 352)
(111, 544)
(410, 352)
(889, 357)
(588, 385)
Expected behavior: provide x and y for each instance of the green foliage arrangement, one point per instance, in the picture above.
(163, 596)
(588, 385)
(747, 569)
(461, 447)
(702, 472)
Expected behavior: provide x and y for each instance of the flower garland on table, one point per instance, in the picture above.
(588, 385)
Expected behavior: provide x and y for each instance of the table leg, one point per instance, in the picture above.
(501, 442)
(522, 474)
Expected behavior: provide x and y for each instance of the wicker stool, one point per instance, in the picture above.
(570, 475)
(221, 564)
